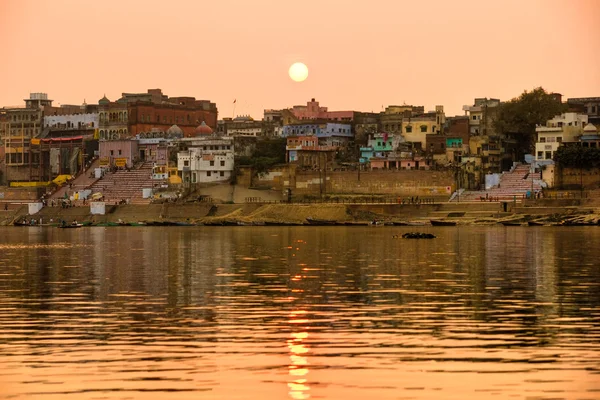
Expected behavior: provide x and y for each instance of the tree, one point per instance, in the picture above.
(577, 157)
(518, 117)
(267, 153)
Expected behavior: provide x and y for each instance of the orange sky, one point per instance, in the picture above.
(361, 55)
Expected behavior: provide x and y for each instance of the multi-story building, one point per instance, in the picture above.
(482, 115)
(313, 111)
(306, 152)
(240, 126)
(449, 146)
(136, 113)
(564, 128)
(376, 152)
(586, 105)
(21, 125)
(416, 128)
(391, 119)
(113, 120)
(205, 159)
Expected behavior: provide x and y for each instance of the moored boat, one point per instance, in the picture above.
(70, 226)
(317, 221)
(438, 222)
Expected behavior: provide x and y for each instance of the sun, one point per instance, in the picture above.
(298, 72)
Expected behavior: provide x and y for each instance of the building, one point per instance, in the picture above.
(306, 152)
(590, 137)
(391, 119)
(240, 126)
(482, 115)
(449, 146)
(564, 128)
(589, 106)
(21, 124)
(137, 113)
(205, 159)
(415, 129)
(113, 120)
(312, 111)
(378, 147)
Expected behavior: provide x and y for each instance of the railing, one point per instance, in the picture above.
(414, 200)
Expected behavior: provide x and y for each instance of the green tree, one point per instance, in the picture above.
(518, 117)
(577, 157)
(267, 153)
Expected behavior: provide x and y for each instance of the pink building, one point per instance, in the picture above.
(312, 110)
(118, 153)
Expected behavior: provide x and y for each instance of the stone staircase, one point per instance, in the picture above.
(515, 183)
(127, 185)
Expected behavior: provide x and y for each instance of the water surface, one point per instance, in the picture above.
(299, 312)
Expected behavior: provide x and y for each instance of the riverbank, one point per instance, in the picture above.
(205, 213)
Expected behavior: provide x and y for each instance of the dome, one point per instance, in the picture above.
(103, 100)
(589, 128)
(175, 131)
(203, 129)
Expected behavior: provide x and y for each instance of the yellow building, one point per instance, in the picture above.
(415, 129)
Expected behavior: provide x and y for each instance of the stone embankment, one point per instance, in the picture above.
(204, 213)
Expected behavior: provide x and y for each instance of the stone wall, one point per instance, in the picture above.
(397, 182)
(572, 178)
(18, 195)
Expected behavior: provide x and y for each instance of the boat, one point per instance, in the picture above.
(72, 225)
(510, 223)
(438, 222)
(376, 223)
(317, 221)
(415, 223)
(417, 235)
(183, 224)
(400, 223)
(23, 223)
(535, 223)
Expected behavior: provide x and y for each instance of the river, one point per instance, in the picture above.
(299, 312)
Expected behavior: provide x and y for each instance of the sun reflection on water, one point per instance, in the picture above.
(299, 365)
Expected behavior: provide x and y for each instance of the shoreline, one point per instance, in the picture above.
(297, 214)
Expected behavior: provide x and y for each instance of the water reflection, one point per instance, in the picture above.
(303, 312)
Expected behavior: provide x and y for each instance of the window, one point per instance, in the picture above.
(433, 128)
(542, 140)
(593, 110)
(540, 155)
(222, 164)
(408, 129)
(119, 152)
(424, 128)
(186, 163)
(222, 173)
(212, 163)
(112, 153)
(548, 155)
(474, 117)
(207, 173)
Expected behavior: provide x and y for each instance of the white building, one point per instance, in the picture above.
(72, 121)
(208, 159)
(567, 127)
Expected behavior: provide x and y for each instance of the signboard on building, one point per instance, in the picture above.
(97, 208)
(104, 161)
(120, 162)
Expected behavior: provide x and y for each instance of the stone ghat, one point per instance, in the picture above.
(296, 214)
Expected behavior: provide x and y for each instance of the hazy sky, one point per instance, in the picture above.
(361, 55)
